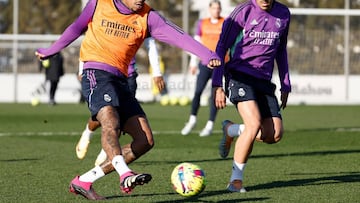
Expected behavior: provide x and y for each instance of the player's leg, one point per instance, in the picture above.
(201, 81)
(207, 130)
(110, 125)
(109, 118)
(84, 141)
(53, 88)
(139, 129)
(230, 130)
(250, 114)
(271, 126)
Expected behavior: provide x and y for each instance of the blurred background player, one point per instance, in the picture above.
(91, 126)
(54, 69)
(207, 32)
(256, 32)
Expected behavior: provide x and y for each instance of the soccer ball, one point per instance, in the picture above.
(188, 179)
(184, 100)
(35, 101)
(165, 100)
(173, 101)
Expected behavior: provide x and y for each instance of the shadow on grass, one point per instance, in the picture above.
(19, 160)
(197, 198)
(307, 153)
(339, 129)
(348, 178)
(258, 156)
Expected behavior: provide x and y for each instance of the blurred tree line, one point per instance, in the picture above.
(53, 16)
(39, 16)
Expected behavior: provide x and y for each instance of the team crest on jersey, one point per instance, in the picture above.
(241, 92)
(278, 23)
(107, 98)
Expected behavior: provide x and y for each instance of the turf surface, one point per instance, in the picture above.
(317, 160)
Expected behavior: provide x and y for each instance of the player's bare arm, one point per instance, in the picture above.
(159, 82)
(219, 97)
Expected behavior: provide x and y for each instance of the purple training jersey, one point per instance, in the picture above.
(255, 39)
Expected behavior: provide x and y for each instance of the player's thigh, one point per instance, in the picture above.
(250, 114)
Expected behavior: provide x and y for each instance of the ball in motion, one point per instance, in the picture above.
(188, 179)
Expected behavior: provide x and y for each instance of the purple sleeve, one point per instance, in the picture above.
(165, 31)
(72, 32)
(282, 63)
(228, 35)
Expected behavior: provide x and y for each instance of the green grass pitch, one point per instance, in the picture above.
(318, 159)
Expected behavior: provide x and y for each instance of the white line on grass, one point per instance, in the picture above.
(169, 132)
(3, 134)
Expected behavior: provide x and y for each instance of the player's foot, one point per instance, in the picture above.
(84, 188)
(236, 186)
(205, 132)
(187, 129)
(82, 146)
(226, 140)
(129, 180)
(100, 158)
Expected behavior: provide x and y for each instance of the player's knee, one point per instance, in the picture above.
(148, 145)
(275, 138)
(144, 145)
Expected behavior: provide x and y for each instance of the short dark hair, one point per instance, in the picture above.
(214, 2)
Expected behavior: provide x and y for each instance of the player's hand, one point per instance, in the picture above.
(159, 82)
(192, 70)
(213, 63)
(284, 99)
(39, 55)
(219, 97)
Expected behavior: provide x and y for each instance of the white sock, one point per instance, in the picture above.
(237, 171)
(119, 164)
(192, 119)
(209, 125)
(92, 175)
(85, 137)
(235, 130)
(87, 133)
(102, 153)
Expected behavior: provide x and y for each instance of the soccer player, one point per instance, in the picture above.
(207, 32)
(54, 70)
(114, 31)
(91, 126)
(256, 34)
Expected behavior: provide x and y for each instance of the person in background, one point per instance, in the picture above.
(114, 31)
(256, 33)
(91, 126)
(207, 32)
(54, 69)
